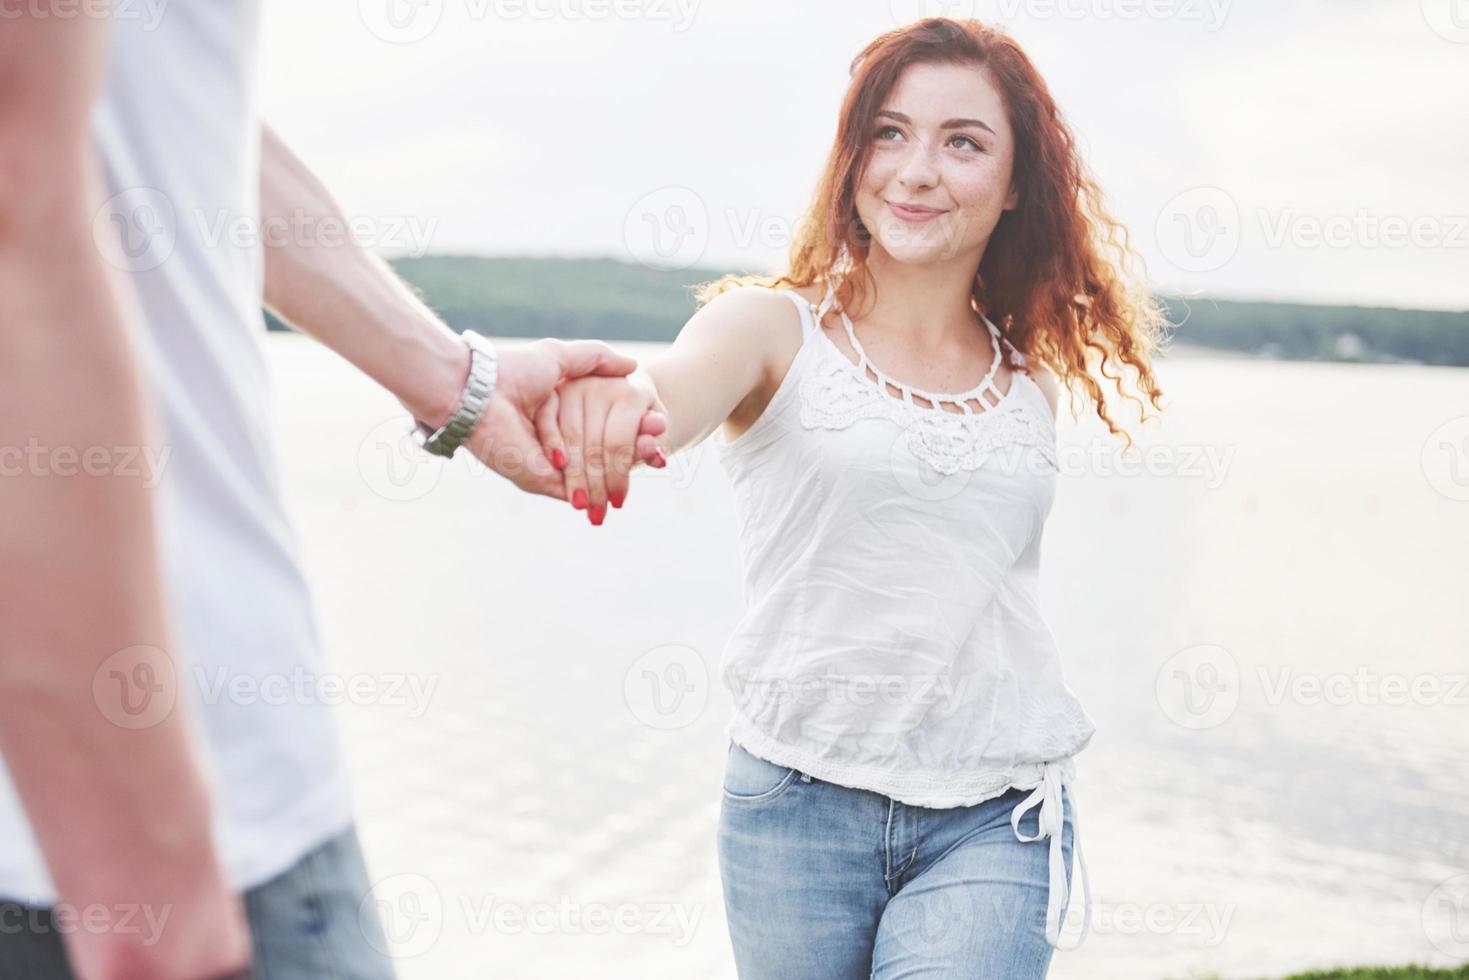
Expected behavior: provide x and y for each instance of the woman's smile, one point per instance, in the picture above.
(914, 212)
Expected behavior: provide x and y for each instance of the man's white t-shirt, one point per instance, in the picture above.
(178, 136)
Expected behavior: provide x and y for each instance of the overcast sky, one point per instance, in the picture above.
(1312, 150)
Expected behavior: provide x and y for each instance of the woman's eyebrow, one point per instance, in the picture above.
(947, 124)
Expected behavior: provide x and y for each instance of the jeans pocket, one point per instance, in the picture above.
(314, 920)
(751, 779)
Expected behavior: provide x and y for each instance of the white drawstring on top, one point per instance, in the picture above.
(1052, 821)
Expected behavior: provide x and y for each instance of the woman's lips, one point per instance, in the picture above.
(914, 213)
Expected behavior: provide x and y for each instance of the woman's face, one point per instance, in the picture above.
(938, 172)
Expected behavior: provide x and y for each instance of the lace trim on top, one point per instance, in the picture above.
(836, 393)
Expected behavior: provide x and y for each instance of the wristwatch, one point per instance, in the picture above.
(483, 371)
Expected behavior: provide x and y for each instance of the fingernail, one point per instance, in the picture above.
(597, 514)
(579, 499)
(662, 459)
(616, 499)
(558, 459)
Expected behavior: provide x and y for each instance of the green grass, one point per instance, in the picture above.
(1386, 973)
(1378, 973)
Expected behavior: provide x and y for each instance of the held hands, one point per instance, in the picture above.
(596, 430)
(519, 428)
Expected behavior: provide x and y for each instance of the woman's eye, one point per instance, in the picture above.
(887, 133)
(967, 142)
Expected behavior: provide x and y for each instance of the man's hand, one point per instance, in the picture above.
(507, 438)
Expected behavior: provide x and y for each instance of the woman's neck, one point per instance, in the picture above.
(931, 304)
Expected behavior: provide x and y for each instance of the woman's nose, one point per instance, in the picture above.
(918, 168)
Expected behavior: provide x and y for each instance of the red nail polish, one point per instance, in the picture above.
(558, 459)
(616, 499)
(579, 499)
(598, 514)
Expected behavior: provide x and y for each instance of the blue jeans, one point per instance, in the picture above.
(826, 882)
(304, 925)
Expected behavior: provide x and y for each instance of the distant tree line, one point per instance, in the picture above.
(611, 300)
(1322, 333)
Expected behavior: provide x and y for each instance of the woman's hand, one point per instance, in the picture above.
(596, 430)
(507, 438)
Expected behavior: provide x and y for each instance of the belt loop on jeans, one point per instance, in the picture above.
(1052, 821)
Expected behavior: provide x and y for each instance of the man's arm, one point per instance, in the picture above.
(121, 813)
(352, 301)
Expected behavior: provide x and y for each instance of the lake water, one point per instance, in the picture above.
(1267, 622)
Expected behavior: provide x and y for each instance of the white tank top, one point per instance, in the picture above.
(893, 639)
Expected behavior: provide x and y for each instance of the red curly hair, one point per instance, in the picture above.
(1058, 278)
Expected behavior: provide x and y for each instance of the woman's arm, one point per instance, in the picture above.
(726, 353)
(723, 359)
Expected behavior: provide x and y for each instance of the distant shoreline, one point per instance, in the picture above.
(621, 302)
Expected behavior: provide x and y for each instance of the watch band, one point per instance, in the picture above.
(483, 373)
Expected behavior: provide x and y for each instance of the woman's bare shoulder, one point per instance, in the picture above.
(761, 316)
(1045, 381)
(747, 297)
(771, 333)
(811, 294)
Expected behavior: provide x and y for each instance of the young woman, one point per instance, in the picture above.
(896, 792)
